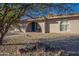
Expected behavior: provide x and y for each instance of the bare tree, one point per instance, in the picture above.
(9, 14)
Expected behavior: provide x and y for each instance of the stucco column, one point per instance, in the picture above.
(42, 25)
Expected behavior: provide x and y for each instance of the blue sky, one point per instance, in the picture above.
(74, 6)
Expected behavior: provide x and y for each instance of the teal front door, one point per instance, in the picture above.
(33, 27)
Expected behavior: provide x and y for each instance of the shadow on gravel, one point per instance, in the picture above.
(69, 45)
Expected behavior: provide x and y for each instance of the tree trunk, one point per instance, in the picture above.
(1, 38)
(4, 33)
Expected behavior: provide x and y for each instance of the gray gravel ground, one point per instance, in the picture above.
(64, 41)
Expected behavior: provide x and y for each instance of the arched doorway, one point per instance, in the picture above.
(33, 27)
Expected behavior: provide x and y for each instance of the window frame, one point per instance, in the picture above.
(64, 23)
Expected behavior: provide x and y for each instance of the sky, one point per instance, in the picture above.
(74, 7)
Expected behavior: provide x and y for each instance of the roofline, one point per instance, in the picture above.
(63, 16)
(54, 17)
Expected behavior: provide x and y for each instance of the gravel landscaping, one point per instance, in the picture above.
(12, 42)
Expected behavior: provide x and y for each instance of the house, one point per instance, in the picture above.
(52, 24)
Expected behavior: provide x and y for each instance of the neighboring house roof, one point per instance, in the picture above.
(55, 17)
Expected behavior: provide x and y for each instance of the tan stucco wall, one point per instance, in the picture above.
(28, 27)
(74, 26)
(52, 26)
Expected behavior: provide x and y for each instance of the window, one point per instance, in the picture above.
(64, 25)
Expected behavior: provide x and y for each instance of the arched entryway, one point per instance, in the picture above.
(33, 27)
